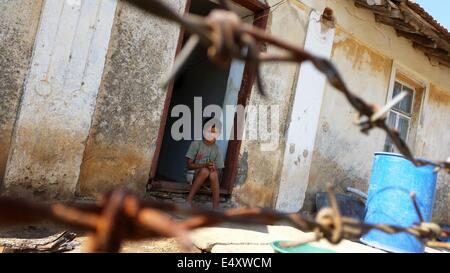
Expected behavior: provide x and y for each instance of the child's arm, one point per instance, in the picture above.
(192, 166)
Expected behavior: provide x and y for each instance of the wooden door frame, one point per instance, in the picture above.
(261, 13)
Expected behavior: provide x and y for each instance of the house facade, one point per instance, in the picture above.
(82, 109)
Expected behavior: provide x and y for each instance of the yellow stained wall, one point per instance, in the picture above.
(364, 52)
(342, 155)
(435, 144)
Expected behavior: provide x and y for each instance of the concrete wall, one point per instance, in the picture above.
(126, 121)
(259, 171)
(18, 24)
(59, 98)
(342, 155)
(304, 119)
(435, 144)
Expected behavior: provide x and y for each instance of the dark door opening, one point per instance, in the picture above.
(214, 85)
(201, 79)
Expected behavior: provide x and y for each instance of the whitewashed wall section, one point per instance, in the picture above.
(304, 121)
(59, 98)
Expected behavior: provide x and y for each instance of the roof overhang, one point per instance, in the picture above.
(412, 22)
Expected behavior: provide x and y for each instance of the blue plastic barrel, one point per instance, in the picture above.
(392, 181)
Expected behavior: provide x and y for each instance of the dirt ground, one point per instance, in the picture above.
(42, 233)
(165, 245)
(215, 239)
(39, 234)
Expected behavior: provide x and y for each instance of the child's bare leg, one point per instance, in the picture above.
(200, 178)
(213, 177)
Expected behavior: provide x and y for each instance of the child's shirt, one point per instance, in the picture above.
(201, 153)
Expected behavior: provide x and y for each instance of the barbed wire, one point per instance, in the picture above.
(227, 37)
(121, 216)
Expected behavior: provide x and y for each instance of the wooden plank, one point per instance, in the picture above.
(445, 63)
(426, 28)
(408, 24)
(60, 242)
(395, 23)
(437, 52)
(159, 185)
(420, 39)
(381, 10)
(169, 186)
(440, 55)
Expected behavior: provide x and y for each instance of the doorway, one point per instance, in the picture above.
(201, 80)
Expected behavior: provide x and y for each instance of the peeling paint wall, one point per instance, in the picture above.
(18, 24)
(304, 119)
(126, 121)
(342, 155)
(367, 50)
(363, 49)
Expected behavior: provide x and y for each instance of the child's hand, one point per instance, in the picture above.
(211, 166)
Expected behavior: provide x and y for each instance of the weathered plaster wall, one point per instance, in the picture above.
(18, 24)
(435, 144)
(342, 155)
(304, 119)
(259, 171)
(361, 24)
(365, 50)
(59, 98)
(126, 121)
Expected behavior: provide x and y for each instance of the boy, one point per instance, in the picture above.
(204, 157)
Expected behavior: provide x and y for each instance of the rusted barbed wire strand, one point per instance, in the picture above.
(227, 37)
(122, 216)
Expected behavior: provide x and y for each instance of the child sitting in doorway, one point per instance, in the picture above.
(204, 157)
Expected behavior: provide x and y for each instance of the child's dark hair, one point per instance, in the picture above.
(214, 122)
